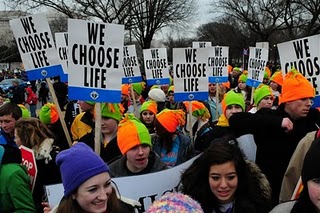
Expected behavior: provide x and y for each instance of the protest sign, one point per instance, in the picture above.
(258, 58)
(303, 54)
(29, 161)
(190, 70)
(156, 66)
(36, 46)
(95, 55)
(218, 64)
(142, 188)
(201, 44)
(130, 65)
(62, 48)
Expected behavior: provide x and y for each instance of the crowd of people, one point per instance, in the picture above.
(149, 132)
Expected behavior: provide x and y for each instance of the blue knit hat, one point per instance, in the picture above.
(78, 164)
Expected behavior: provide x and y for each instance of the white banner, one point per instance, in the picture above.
(95, 57)
(142, 188)
(36, 46)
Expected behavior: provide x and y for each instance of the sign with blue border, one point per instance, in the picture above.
(95, 55)
(62, 48)
(190, 68)
(258, 58)
(36, 46)
(156, 66)
(218, 64)
(131, 69)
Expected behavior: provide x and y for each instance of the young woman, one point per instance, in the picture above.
(87, 183)
(276, 81)
(34, 134)
(225, 182)
(309, 199)
(244, 89)
(148, 113)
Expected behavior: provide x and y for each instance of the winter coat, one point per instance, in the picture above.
(283, 207)
(15, 194)
(275, 146)
(186, 149)
(119, 169)
(293, 172)
(82, 125)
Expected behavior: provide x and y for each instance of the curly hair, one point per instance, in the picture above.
(32, 132)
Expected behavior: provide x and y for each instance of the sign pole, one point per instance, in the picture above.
(97, 129)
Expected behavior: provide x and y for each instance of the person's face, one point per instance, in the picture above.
(212, 88)
(242, 85)
(274, 86)
(235, 74)
(223, 181)
(17, 139)
(165, 88)
(147, 116)
(231, 109)
(137, 158)
(266, 102)
(298, 108)
(93, 194)
(85, 107)
(108, 125)
(7, 123)
(265, 80)
(171, 97)
(314, 192)
(1, 100)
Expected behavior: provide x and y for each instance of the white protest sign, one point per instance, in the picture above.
(218, 64)
(142, 188)
(4, 66)
(201, 44)
(303, 54)
(130, 65)
(156, 66)
(262, 45)
(36, 46)
(258, 58)
(62, 48)
(95, 55)
(190, 70)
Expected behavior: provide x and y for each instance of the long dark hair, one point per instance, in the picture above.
(164, 136)
(195, 180)
(69, 205)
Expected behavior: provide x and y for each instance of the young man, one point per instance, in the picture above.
(134, 142)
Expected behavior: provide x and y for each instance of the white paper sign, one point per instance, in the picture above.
(201, 44)
(156, 66)
(190, 68)
(131, 69)
(303, 54)
(62, 48)
(36, 46)
(95, 57)
(142, 188)
(258, 58)
(218, 64)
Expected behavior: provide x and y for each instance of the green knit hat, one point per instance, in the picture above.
(92, 103)
(232, 98)
(149, 105)
(261, 92)
(48, 113)
(243, 77)
(138, 87)
(25, 111)
(132, 132)
(113, 111)
(237, 69)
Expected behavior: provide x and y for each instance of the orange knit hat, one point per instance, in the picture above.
(171, 119)
(125, 89)
(295, 86)
(277, 77)
(199, 110)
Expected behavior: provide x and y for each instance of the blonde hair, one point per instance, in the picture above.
(32, 132)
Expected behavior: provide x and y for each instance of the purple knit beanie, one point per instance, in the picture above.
(78, 164)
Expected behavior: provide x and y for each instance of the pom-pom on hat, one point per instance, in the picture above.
(157, 95)
(131, 132)
(231, 98)
(309, 169)
(199, 110)
(171, 119)
(175, 203)
(295, 86)
(48, 113)
(25, 111)
(77, 164)
(277, 77)
(149, 105)
(114, 111)
(261, 92)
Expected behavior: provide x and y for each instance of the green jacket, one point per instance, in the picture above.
(15, 194)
